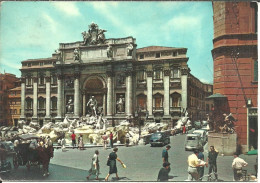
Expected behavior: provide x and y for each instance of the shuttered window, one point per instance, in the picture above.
(256, 70)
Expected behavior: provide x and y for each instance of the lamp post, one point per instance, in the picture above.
(138, 119)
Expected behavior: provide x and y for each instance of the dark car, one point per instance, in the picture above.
(9, 146)
(197, 125)
(159, 138)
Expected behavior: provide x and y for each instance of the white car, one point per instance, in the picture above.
(202, 134)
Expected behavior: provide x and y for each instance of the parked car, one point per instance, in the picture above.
(197, 125)
(204, 123)
(193, 141)
(202, 134)
(159, 138)
(206, 129)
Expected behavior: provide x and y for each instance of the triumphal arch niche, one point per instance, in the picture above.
(97, 69)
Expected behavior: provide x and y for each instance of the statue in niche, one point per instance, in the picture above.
(109, 51)
(76, 54)
(70, 105)
(130, 48)
(92, 103)
(120, 104)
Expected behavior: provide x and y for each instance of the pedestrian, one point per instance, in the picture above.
(237, 165)
(111, 139)
(63, 145)
(183, 129)
(212, 161)
(112, 163)
(201, 168)
(193, 164)
(163, 175)
(104, 138)
(81, 144)
(94, 166)
(73, 139)
(165, 156)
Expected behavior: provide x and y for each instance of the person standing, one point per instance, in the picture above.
(183, 129)
(112, 163)
(94, 166)
(73, 139)
(81, 144)
(237, 165)
(212, 161)
(165, 156)
(111, 139)
(44, 157)
(193, 164)
(163, 175)
(201, 168)
(104, 138)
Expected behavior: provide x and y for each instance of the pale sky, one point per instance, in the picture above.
(30, 30)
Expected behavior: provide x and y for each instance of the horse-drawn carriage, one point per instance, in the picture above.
(28, 152)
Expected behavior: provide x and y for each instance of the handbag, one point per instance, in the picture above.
(108, 162)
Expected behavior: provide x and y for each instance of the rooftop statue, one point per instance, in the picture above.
(94, 35)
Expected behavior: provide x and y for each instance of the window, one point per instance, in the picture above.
(175, 73)
(20, 111)
(41, 101)
(29, 81)
(175, 53)
(54, 79)
(29, 64)
(54, 103)
(141, 101)
(41, 80)
(256, 70)
(10, 111)
(141, 76)
(157, 73)
(15, 111)
(141, 56)
(176, 100)
(158, 101)
(41, 63)
(28, 103)
(157, 55)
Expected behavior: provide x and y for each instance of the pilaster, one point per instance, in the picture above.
(22, 117)
(150, 94)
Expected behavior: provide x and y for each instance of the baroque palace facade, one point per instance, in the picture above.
(123, 80)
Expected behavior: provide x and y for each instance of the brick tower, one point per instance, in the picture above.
(236, 65)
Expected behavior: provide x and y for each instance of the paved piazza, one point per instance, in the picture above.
(143, 164)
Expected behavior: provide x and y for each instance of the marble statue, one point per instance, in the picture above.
(130, 49)
(76, 54)
(92, 103)
(120, 104)
(109, 51)
(70, 105)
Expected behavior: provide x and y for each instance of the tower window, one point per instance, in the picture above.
(157, 55)
(141, 56)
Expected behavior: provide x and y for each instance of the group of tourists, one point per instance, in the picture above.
(111, 162)
(196, 164)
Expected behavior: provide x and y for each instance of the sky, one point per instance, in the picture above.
(30, 30)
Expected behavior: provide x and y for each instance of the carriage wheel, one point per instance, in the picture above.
(15, 161)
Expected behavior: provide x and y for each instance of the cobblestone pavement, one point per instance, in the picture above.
(143, 164)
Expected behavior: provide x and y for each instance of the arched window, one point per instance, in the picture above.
(141, 101)
(29, 103)
(158, 101)
(41, 80)
(141, 76)
(176, 99)
(53, 102)
(175, 72)
(41, 103)
(54, 79)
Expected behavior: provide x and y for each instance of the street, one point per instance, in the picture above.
(143, 164)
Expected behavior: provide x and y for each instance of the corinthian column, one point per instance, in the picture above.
(59, 98)
(150, 93)
(76, 95)
(35, 99)
(48, 98)
(109, 93)
(129, 93)
(22, 117)
(166, 103)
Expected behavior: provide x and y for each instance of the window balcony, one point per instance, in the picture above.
(28, 111)
(41, 111)
(175, 109)
(158, 109)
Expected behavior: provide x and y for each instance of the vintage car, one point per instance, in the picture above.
(159, 138)
(192, 142)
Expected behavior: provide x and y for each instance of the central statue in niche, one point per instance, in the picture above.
(94, 35)
(92, 103)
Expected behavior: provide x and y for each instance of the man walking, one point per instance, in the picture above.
(237, 165)
(165, 156)
(163, 175)
(73, 139)
(212, 161)
(193, 164)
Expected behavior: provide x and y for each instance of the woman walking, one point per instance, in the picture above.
(112, 163)
(94, 166)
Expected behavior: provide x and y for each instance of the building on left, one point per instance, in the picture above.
(9, 111)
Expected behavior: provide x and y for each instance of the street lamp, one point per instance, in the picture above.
(138, 119)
